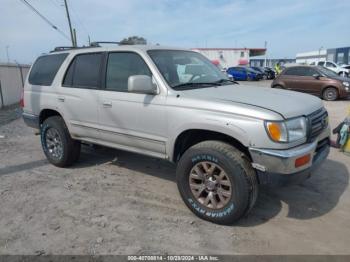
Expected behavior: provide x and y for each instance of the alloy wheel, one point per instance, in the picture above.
(210, 185)
(54, 143)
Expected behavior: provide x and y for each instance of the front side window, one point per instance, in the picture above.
(45, 69)
(121, 66)
(186, 68)
(84, 71)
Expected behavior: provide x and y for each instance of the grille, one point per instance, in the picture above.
(318, 121)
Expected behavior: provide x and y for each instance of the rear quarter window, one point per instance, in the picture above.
(45, 69)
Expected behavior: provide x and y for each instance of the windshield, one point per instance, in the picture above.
(327, 72)
(187, 69)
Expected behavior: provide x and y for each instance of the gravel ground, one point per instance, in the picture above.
(114, 202)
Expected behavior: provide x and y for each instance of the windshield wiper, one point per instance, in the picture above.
(223, 80)
(195, 85)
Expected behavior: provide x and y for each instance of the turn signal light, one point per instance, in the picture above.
(302, 160)
(275, 131)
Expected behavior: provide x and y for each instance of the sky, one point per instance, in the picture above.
(288, 26)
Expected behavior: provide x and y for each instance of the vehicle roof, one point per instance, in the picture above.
(311, 66)
(144, 48)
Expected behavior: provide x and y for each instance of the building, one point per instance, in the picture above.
(339, 55)
(228, 57)
(311, 57)
(270, 62)
(12, 77)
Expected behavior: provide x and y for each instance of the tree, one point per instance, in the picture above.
(134, 40)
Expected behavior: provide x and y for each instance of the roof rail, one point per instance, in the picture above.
(96, 44)
(61, 48)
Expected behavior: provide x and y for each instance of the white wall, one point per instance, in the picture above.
(311, 57)
(11, 84)
(227, 58)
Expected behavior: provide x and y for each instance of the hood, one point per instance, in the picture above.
(340, 78)
(286, 103)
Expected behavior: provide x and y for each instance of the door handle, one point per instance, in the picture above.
(61, 98)
(107, 104)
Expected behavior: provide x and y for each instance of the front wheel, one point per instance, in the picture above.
(330, 94)
(217, 182)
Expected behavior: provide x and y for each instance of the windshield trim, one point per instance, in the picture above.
(212, 84)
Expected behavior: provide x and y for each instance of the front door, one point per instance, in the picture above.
(131, 121)
(306, 81)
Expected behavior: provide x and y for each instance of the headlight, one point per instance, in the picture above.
(347, 84)
(287, 131)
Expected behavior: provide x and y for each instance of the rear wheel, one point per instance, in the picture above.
(217, 182)
(60, 149)
(330, 94)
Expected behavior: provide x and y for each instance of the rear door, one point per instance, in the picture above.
(78, 95)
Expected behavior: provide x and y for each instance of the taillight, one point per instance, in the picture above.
(21, 102)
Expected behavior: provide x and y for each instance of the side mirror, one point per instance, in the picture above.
(142, 84)
(316, 76)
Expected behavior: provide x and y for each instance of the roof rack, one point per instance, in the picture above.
(97, 44)
(92, 45)
(63, 48)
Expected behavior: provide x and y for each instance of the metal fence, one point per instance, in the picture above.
(12, 78)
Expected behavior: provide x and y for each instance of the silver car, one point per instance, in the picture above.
(174, 104)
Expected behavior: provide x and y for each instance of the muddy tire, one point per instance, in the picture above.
(217, 182)
(330, 94)
(60, 149)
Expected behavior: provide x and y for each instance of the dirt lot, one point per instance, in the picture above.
(114, 202)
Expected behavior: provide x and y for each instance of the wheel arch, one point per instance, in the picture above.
(329, 86)
(48, 112)
(190, 137)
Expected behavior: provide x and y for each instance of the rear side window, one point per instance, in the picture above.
(84, 71)
(45, 69)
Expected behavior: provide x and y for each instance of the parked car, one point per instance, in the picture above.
(339, 70)
(271, 74)
(267, 72)
(316, 80)
(244, 73)
(225, 139)
(260, 70)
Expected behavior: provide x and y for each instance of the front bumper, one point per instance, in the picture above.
(277, 167)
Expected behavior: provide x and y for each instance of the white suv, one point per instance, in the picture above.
(334, 67)
(174, 104)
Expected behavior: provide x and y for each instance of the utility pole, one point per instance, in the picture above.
(69, 23)
(265, 53)
(7, 54)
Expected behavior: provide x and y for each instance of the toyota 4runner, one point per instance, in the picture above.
(174, 104)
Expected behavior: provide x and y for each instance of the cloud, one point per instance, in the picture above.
(288, 26)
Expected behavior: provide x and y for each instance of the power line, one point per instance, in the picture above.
(44, 18)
